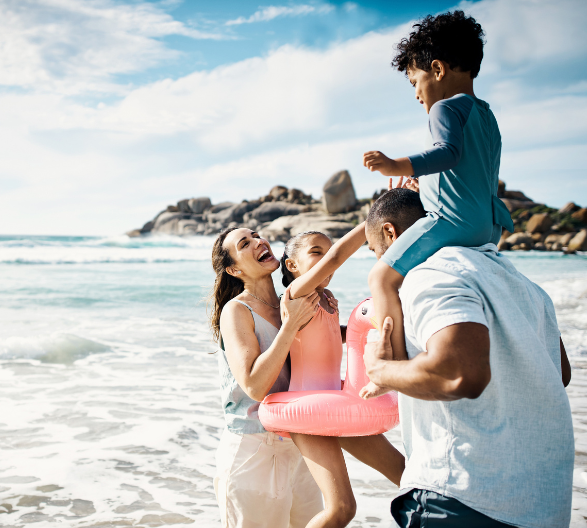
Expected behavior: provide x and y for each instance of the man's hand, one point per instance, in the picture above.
(377, 161)
(376, 356)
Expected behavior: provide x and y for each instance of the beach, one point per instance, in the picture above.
(111, 407)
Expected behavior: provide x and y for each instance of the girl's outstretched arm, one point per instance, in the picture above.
(333, 259)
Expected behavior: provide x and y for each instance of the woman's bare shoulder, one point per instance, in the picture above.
(235, 313)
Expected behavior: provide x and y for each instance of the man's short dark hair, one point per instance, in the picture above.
(451, 37)
(401, 207)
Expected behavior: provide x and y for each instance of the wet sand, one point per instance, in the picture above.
(141, 453)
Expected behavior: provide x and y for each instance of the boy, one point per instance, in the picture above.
(458, 174)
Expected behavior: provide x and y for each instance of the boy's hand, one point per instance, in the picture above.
(377, 161)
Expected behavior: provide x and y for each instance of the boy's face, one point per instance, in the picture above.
(428, 84)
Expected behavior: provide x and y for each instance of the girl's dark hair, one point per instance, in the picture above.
(226, 287)
(292, 247)
(451, 37)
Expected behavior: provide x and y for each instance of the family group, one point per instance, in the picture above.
(469, 344)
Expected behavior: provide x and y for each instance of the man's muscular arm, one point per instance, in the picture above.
(455, 365)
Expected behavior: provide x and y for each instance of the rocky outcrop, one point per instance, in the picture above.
(198, 216)
(284, 212)
(339, 194)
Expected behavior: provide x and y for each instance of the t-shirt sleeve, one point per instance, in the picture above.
(447, 122)
(435, 299)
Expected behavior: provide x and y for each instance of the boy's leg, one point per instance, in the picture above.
(325, 461)
(384, 283)
(377, 452)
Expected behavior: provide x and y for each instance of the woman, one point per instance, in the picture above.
(261, 478)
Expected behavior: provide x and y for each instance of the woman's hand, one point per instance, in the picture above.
(298, 312)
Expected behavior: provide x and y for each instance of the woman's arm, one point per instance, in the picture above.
(333, 259)
(254, 371)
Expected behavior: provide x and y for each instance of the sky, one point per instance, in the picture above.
(111, 110)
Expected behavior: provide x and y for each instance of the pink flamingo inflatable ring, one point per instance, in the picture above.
(336, 412)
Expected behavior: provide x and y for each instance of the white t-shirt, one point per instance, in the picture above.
(508, 454)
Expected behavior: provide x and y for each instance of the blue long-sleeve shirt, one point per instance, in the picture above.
(461, 168)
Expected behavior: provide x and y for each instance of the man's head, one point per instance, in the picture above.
(443, 50)
(392, 213)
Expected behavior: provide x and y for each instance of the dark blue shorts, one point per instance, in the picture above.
(426, 509)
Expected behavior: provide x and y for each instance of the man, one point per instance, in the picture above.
(486, 422)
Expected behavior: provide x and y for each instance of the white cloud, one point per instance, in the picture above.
(271, 12)
(72, 47)
(292, 117)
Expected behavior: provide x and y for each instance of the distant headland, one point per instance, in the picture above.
(283, 213)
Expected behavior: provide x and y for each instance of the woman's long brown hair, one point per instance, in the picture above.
(226, 287)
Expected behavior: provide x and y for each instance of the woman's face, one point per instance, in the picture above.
(251, 254)
(311, 252)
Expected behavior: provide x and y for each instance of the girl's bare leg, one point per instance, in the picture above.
(325, 461)
(377, 452)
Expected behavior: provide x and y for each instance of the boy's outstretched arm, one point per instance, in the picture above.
(384, 283)
(333, 259)
(377, 161)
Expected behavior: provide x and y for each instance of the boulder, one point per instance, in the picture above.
(339, 194)
(279, 192)
(580, 215)
(172, 209)
(199, 205)
(579, 241)
(165, 218)
(282, 229)
(500, 188)
(556, 241)
(133, 233)
(539, 223)
(269, 211)
(194, 205)
(568, 208)
(234, 213)
(297, 196)
(220, 207)
(514, 204)
(519, 239)
(515, 195)
(147, 227)
(189, 227)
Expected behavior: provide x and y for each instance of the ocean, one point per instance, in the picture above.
(110, 403)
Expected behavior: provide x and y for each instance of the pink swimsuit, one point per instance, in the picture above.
(316, 354)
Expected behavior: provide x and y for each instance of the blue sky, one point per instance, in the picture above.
(111, 110)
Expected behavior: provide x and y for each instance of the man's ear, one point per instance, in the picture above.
(291, 265)
(439, 69)
(389, 231)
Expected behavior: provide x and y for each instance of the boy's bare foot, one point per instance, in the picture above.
(372, 391)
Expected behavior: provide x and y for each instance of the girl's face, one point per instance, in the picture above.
(251, 254)
(312, 251)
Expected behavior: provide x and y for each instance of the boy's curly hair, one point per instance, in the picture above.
(452, 37)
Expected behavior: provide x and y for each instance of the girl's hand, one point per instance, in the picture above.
(298, 312)
(410, 183)
(413, 184)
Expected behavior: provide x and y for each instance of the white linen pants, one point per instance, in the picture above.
(262, 481)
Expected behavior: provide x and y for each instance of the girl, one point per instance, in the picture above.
(308, 264)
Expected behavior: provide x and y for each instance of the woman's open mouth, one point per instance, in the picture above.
(265, 256)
